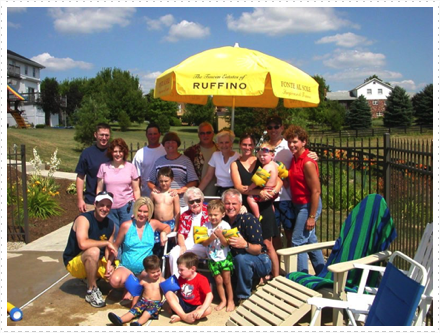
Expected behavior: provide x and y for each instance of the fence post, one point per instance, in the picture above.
(24, 190)
(387, 166)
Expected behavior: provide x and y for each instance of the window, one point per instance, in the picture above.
(379, 91)
(34, 72)
(369, 92)
(379, 114)
(25, 70)
(375, 103)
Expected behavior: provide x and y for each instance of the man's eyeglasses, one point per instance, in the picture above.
(192, 202)
(273, 127)
(105, 193)
(205, 133)
(264, 150)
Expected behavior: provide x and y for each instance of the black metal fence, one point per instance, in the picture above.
(358, 133)
(17, 215)
(399, 170)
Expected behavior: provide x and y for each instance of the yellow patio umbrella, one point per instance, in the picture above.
(237, 77)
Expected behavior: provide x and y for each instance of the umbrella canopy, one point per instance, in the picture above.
(237, 77)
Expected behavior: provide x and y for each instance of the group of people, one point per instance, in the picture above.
(129, 209)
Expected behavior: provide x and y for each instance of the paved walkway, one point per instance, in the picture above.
(39, 284)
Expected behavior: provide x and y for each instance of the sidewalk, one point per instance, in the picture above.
(38, 280)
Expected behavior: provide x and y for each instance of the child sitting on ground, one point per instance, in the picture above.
(150, 303)
(220, 258)
(192, 302)
(166, 207)
(266, 176)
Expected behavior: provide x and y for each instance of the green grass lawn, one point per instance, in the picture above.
(46, 140)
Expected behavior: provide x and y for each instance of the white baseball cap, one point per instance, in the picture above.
(104, 195)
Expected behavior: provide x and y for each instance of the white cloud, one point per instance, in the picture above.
(147, 80)
(89, 20)
(186, 30)
(14, 25)
(166, 20)
(348, 39)
(281, 21)
(16, 10)
(408, 85)
(353, 58)
(60, 64)
(358, 75)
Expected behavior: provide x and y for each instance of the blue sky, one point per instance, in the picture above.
(344, 45)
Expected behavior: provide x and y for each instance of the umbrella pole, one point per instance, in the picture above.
(233, 113)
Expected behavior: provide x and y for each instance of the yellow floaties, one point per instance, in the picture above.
(283, 173)
(230, 233)
(200, 234)
(260, 177)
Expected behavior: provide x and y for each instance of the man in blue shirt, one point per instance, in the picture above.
(88, 165)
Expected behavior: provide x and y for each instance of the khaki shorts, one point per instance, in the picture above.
(76, 267)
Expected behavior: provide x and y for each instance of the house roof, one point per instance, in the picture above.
(368, 82)
(19, 57)
(340, 96)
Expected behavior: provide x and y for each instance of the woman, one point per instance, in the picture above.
(136, 237)
(306, 197)
(220, 163)
(184, 174)
(195, 216)
(121, 178)
(242, 171)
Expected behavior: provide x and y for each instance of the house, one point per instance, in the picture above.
(374, 90)
(24, 78)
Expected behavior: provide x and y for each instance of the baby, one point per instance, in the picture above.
(265, 176)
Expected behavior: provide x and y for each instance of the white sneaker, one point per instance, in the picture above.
(95, 298)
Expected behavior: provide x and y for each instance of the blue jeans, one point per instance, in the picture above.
(120, 215)
(301, 236)
(247, 267)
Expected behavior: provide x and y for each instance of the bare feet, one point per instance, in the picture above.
(230, 307)
(175, 318)
(220, 306)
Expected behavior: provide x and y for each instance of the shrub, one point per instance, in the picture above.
(40, 126)
(42, 191)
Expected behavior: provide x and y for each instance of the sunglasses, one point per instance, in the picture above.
(105, 193)
(192, 202)
(205, 133)
(273, 127)
(264, 150)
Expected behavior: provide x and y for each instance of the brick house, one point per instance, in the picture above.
(374, 90)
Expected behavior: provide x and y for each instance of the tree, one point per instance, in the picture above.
(423, 106)
(119, 90)
(50, 98)
(88, 116)
(374, 76)
(399, 110)
(359, 115)
(333, 115)
(74, 91)
(160, 112)
(197, 114)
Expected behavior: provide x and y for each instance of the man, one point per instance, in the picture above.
(284, 212)
(89, 245)
(88, 165)
(201, 153)
(145, 157)
(251, 261)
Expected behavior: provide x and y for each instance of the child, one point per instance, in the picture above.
(166, 207)
(220, 258)
(149, 305)
(193, 300)
(265, 154)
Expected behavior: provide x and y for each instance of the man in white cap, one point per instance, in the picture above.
(89, 244)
